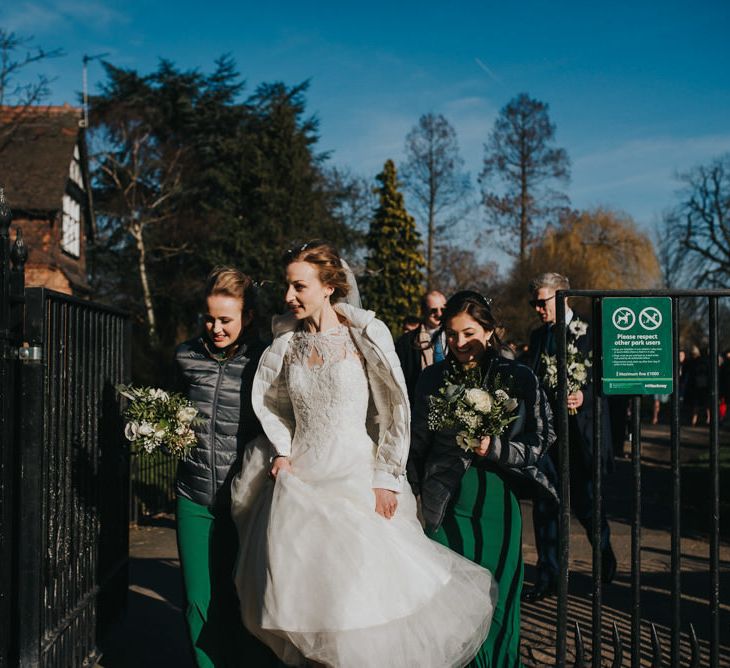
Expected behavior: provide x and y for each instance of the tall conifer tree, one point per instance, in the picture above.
(394, 264)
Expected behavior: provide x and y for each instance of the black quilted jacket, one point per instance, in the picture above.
(436, 463)
(221, 391)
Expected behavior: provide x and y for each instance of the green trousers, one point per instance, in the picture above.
(208, 545)
(484, 523)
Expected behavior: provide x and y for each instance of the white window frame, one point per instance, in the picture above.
(71, 227)
(75, 169)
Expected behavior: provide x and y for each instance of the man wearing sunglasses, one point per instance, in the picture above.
(424, 345)
(580, 438)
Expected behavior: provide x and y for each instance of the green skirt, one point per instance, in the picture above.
(484, 523)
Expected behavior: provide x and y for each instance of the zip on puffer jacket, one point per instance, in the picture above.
(221, 391)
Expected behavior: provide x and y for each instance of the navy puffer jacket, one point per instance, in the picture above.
(221, 391)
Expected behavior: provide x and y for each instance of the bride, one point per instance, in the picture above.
(333, 567)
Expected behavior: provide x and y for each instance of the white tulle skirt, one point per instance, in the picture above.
(322, 577)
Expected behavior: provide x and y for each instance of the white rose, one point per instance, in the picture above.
(159, 394)
(478, 399)
(186, 414)
(159, 434)
(578, 328)
(501, 395)
(145, 429)
(131, 431)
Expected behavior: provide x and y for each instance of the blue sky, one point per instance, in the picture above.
(638, 91)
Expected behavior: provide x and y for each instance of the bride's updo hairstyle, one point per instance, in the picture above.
(476, 306)
(326, 259)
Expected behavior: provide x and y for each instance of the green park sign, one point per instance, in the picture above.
(637, 345)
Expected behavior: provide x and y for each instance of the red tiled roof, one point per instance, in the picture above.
(35, 155)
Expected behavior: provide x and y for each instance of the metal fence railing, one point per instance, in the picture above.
(152, 486)
(72, 536)
(633, 649)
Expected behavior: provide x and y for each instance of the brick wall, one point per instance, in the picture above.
(48, 265)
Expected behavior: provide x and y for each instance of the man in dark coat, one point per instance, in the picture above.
(580, 439)
(424, 345)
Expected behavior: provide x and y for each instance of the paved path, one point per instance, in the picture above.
(153, 633)
(538, 624)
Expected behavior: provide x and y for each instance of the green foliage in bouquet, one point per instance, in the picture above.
(159, 421)
(464, 403)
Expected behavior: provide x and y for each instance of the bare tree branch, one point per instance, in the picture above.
(16, 54)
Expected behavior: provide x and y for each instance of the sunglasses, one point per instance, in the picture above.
(540, 303)
(435, 311)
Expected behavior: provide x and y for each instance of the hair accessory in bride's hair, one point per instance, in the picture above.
(291, 253)
(471, 295)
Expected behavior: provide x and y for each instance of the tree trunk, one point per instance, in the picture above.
(523, 214)
(136, 230)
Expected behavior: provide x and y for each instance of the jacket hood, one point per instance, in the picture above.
(357, 317)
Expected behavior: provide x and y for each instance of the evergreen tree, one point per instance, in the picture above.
(284, 195)
(393, 285)
(188, 176)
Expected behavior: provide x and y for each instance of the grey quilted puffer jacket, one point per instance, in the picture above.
(221, 391)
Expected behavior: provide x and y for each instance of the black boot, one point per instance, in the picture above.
(547, 585)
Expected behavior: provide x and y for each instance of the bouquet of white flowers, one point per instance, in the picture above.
(158, 420)
(577, 363)
(464, 404)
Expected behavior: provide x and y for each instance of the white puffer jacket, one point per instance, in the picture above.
(389, 413)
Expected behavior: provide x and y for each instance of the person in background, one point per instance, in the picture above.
(659, 401)
(698, 386)
(424, 345)
(216, 371)
(725, 385)
(580, 441)
(411, 322)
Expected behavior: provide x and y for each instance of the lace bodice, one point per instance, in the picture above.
(327, 386)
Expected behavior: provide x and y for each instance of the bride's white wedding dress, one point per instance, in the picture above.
(320, 574)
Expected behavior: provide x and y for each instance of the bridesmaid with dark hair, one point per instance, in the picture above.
(469, 499)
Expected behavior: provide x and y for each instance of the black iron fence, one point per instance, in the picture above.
(631, 647)
(12, 260)
(152, 486)
(65, 475)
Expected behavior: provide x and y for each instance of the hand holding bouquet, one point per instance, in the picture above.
(158, 420)
(465, 405)
(577, 363)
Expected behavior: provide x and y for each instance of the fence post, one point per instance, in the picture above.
(7, 390)
(564, 492)
(30, 483)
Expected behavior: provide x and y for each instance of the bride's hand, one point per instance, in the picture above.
(280, 464)
(385, 502)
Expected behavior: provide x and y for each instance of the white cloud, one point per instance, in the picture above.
(36, 18)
